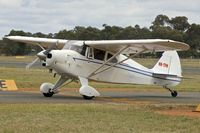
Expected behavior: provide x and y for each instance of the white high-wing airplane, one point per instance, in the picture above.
(106, 61)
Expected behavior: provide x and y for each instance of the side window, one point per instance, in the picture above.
(114, 60)
(99, 54)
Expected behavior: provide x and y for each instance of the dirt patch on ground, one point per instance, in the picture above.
(183, 112)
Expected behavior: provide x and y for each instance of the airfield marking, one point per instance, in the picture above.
(8, 85)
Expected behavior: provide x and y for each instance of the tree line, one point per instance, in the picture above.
(163, 27)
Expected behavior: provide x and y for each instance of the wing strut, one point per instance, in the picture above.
(129, 57)
(94, 73)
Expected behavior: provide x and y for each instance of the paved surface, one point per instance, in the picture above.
(106, 97)
(18, 64)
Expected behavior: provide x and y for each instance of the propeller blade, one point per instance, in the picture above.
(40, 46)
(32, 63)
(51, 47)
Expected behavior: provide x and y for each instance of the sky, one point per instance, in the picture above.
(51, 16)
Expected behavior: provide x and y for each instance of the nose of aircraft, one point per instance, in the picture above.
(47, 59)
(41, 55)
(50, 58)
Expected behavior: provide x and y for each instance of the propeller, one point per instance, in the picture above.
(32, 63)
(42, 54)
(53, 46)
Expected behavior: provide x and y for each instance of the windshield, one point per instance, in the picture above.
(72, 46)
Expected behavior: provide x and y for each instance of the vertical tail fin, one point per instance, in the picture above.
(168, 64)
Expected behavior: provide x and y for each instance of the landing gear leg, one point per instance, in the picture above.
(173, 92)
(58, 84)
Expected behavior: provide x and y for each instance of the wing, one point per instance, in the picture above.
(44, 42)
(134, 46)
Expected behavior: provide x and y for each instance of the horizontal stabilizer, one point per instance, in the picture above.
(158, 75)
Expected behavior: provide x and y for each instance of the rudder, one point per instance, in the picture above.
(168, 64)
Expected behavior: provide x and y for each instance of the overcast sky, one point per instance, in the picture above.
(50, 16)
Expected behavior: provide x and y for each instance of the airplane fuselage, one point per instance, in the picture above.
(72, 64)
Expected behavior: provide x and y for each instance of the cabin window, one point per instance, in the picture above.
(99, 54)
(114, 60)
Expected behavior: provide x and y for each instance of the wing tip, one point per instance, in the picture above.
(11, 37)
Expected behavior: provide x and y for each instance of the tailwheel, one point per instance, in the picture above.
(49, 94)
(174, 93)
(88, 97)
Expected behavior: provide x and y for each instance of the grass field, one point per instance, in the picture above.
(90, 118)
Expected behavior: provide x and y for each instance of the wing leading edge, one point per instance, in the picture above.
(156, 45)
(133, 46)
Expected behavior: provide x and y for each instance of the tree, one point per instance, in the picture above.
(62, 34)
(193, 39)
(180, 23)
(129, 33)
(92, 33)
(160, 21)
(39, 34)
(111, 32)
(14, 48)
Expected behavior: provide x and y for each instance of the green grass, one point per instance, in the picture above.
(90, 118)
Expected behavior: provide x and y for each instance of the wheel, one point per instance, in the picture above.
(174, 93)
(88, 97)
(50, 94)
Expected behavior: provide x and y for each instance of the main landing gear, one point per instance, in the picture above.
(87, 91)
(173, 92)
(88, 97)
(49, 94)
